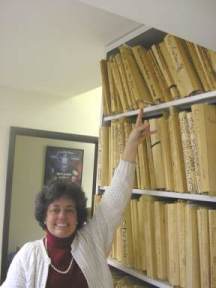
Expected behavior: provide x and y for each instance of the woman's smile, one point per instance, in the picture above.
(61, 218)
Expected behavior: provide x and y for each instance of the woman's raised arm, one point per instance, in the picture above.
(140, 131)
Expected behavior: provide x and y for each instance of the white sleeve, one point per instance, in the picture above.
(109, 212)
(16, 273)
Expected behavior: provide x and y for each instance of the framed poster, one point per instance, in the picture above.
(64, 163)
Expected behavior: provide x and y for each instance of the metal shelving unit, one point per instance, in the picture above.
(153, 35)
(138, 275)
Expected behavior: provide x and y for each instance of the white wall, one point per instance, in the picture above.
(78, 115)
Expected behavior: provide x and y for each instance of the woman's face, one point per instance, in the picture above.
(61, 217)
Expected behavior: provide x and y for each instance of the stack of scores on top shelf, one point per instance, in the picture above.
(172, 69)
(179, 157)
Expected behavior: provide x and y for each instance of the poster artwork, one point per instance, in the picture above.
(64, 163)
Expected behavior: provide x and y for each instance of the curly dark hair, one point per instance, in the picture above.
(56, 189)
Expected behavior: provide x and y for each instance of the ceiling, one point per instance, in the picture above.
(190, 19)
(53, 47)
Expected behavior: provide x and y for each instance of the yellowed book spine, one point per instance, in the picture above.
(192, 248)
(150, 238)
(212, 59)
(181, 235)
(187, 153)
(103, 159)
(127, 130)
(177, 153)
(135, 81)
(105, 88)
(157, 154)
(167, 58)
(160, 240)
(173, 256)
(114, 147)
(194, 146)
(206, 66)
(166, 237)
(120, 137)
(150, 162)
(142, 246)
(210, 67)
(126, 237)
(135, 233)
(204, 246)
(138, 169)
(166, 152)
(116, 94)
(188, 81)
(198, 66)
(204, 119)
(119, 85)
(212, 235)
(164, 90)
(122, 72)
(145, 180)
(99, 164)
(147, 71)
(113, 92)
(111, 141)
(165, 70)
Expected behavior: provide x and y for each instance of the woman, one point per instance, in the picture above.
(72, 253)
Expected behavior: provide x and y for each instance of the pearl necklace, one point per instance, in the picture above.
(56, 269)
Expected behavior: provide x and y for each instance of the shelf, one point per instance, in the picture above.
(176, 195)
(156, 110)
(138, 275)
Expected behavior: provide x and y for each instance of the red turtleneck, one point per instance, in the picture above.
(59, 251)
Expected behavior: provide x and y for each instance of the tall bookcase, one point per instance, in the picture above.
(148, 36)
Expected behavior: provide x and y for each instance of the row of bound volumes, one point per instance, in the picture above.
(172, 69)
(168, 241)
(179, 157)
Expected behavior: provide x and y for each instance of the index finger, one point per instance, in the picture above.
(139, 118)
